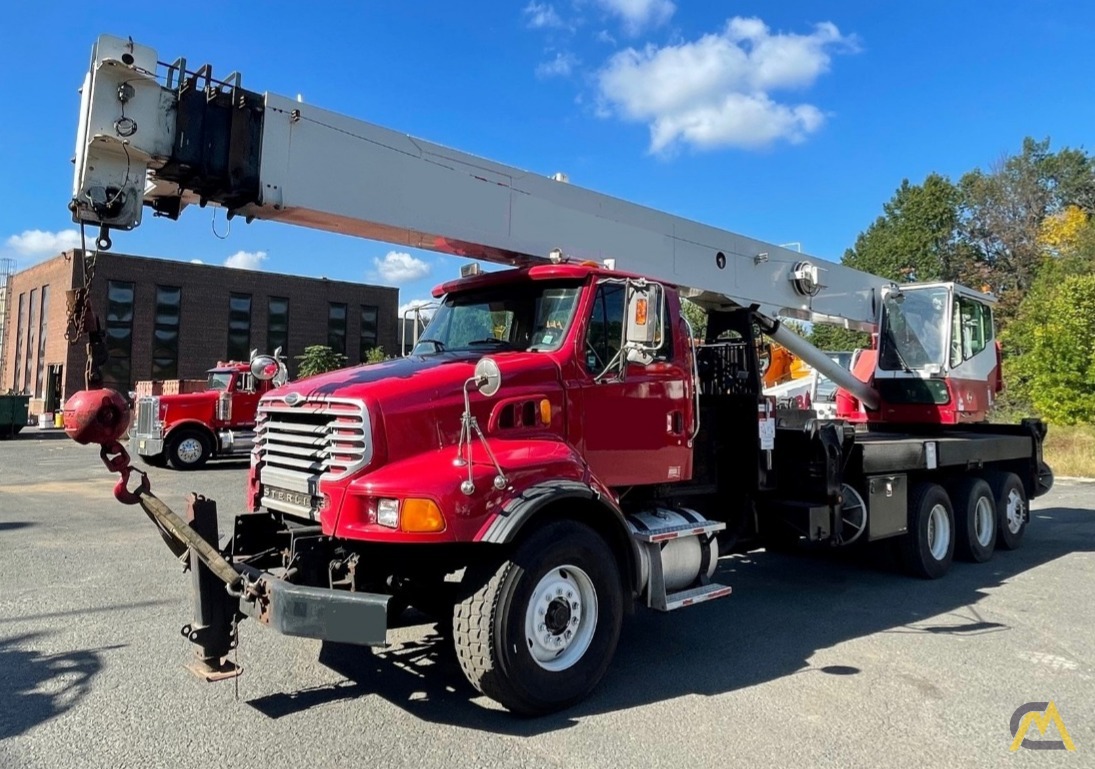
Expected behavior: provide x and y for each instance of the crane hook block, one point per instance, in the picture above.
(96, 416)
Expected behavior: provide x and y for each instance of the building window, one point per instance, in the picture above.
(239, 327)
(368, 329)
(43, 318)
(20, 321)
(27, 359)
(277, 325)
(336, 327)
(119, 335)
(165, 333)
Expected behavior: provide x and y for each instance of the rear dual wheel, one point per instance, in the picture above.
(927, 549)
(1012, 508)
(975, 519)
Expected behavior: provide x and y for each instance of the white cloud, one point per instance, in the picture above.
(37, 244)
(196, 261)
(714, 91)
(416, 303)
(637, 15)
(542, 16)
(561, 66)
(400, 267)
(246, 260)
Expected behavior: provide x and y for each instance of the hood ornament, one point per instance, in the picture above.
(292, 399)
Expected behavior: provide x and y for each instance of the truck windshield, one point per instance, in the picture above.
(534, 316)
(219, 380)
(912, 330)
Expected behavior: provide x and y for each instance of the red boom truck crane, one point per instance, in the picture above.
(556, 438)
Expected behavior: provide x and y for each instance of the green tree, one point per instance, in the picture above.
(1003, 211)
(915, 238)
(318, 359)
(375, 355)
(696, 317)
(1062, 258)
(1061, 363)
(833, 338)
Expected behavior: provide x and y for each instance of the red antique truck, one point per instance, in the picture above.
(188, 429)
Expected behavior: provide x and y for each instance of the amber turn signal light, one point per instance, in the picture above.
(421, 515)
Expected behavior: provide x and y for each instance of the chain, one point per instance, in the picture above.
(80, 313)
(77, 312)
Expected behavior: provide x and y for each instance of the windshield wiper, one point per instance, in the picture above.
(897, 352)
(489, 340)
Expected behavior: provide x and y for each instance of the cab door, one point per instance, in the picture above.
(635, 424)
(245, 400)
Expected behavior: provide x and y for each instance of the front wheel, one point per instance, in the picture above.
(188, 449)
(538, 633)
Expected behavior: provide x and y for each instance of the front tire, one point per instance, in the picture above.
(975, 520)
(538, 632)
(927, 550)
(188, 449)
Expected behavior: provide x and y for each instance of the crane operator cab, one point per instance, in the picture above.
(935, 358)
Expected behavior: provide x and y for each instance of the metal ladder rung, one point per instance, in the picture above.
(696, 595)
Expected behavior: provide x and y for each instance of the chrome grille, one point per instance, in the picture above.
(319, 437)
(148, 416)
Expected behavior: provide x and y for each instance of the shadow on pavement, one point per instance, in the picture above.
(784, 609)
(14, 525)
(36, 687)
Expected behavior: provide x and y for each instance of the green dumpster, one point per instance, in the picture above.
(13, 414)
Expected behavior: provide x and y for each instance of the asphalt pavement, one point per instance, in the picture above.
(814, 661)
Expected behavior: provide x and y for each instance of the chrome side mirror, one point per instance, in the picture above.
(488, 377)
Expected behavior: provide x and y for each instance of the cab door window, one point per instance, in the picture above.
(604, 335)
(971, 329)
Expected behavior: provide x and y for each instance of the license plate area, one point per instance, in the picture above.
(290, 501)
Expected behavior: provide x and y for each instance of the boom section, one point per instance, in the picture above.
(159, 135)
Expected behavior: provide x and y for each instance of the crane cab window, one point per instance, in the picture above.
(971, 329)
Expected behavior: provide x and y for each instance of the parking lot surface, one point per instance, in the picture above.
(814, 661)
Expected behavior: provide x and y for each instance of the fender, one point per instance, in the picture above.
(197, 423)
(524, 507)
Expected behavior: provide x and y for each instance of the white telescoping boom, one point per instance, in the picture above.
(158, 135)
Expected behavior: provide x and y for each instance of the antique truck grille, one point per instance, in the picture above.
(296, 445)
(148, 416)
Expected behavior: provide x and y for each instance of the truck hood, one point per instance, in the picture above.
(188, 399)
(419, 399)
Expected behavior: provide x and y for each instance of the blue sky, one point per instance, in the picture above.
(789, 122)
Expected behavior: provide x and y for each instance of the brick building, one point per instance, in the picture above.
(173, 320)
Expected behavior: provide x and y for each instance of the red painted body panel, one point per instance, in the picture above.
(201, 407)
(607, 435)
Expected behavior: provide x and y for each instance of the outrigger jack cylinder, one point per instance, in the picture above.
(216, 612)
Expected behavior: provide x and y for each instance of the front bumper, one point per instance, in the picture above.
(148, 445)
(315, 612)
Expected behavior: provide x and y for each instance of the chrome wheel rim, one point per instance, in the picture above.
(561, 618)
(189, 450)
(1016, 511)
(984, 521)
(939, 532)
